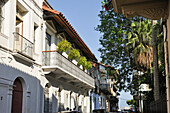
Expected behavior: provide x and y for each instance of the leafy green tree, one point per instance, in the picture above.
(127, 46)
(113, 50)
(140, 40)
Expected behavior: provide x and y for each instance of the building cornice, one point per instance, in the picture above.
(152, 9)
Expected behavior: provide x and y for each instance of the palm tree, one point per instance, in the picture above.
(142, 41)
(155, 61)
(139, 42)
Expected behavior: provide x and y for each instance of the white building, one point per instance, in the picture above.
(69, 83)
(34, 77)
(20, 56)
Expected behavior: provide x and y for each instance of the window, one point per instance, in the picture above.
(21, 12)
(47, 42)
(34, 35)
(59, 39)
(1, 14)
(101, 103)
(47, 48)
(19, 21)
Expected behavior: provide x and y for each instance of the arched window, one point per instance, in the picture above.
(17, 96)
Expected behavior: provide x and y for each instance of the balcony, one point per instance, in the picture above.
(105, 88)
(64, 73)
(23, 48)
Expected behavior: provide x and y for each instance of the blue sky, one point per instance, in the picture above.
(83, 16)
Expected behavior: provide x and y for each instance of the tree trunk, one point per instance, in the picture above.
(155, 63)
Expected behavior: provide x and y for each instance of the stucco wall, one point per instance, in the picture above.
(31, 92)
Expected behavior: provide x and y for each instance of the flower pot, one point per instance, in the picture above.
(85, 70)
(81, 67)
(65, 54)
(75, 62)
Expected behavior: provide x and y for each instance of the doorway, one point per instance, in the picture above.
(17, 97)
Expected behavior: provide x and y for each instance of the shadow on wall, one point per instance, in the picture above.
(76, 109)
(54, 103)
(59, 107)
(63, 109)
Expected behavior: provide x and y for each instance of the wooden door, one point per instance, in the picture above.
(17, 97)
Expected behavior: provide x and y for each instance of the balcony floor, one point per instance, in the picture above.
(66, 80)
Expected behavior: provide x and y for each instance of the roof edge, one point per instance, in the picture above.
(69, 26)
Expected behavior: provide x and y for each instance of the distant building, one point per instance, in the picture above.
(105, 94)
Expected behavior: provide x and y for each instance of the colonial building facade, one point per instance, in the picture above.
(20, 56)
(35, 77)
(69, 83)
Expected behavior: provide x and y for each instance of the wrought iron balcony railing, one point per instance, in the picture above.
(23, 45)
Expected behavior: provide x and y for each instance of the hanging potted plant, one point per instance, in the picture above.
(74, 55)
(88, 65)
(82, 62)
(63, 46)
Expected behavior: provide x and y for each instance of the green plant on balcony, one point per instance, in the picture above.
(82, 61)
(88, 65)
(74, 54)
(64, 45)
